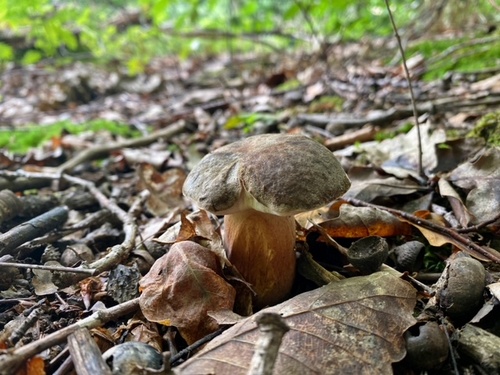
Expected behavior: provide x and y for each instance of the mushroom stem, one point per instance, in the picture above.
(261, 246)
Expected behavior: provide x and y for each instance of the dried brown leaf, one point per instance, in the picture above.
(354, 326)
(182, 286)
(165, 188)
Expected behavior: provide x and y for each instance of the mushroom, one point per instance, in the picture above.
(259, 184)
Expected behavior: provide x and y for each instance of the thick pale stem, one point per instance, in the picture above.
(261, 246)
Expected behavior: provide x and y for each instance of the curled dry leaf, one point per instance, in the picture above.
(354, 326)
(197, 224)
(182, 286)
(461, 212)
(358, 222)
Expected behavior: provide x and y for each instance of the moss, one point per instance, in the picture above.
(488, 127)
(327, 104)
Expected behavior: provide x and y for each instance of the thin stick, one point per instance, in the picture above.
(186, 351)
(90, 272)
(410, 86)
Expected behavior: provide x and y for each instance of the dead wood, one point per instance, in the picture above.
(33, 228)
(86, 356)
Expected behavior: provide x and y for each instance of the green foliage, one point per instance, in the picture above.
(249, 121)
(433, 259)
(381, 135)
(6, 52)
(22, 140)
(488, 127)
(327, 103)
(448, 57)
(64, 28)
(70, 28)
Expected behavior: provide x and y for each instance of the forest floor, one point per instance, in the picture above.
(86, 214)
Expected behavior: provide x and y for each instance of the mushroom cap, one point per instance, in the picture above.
(273, 173)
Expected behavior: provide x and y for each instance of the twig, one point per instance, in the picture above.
(103, 150)
(495, 5)
(361, 135)
(85, 354)
(11, 359)
(309, 21)
(26, 321)
(272, 329)
(410, 86)
(477, 227)
(117, 252)
(87, 271)
(195, 345)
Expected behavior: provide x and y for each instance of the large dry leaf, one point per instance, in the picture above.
(478, 170)
(182, 286)
(354, 326)
(484, 201)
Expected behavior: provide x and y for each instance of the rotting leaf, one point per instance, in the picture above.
(357, 222)
(182, 286)
(354, 326)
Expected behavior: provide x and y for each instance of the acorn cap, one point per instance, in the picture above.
(273, 173)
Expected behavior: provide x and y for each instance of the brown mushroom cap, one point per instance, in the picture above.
(273, 173)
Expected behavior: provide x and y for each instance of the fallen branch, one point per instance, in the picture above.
(103, 150)
(33, 228)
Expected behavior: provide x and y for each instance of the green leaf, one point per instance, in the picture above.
(31, 57)
(6, 52)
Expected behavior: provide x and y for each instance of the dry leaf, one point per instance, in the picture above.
(33, 366)
(484, 167)
(354, 326)
(182, 286)
(165, 189)
(367, 184)
(358, 222)
(459, 209)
